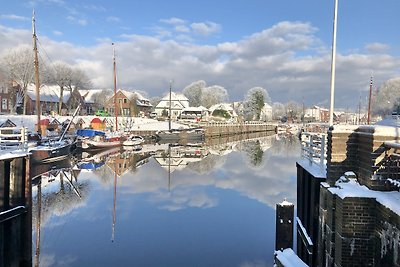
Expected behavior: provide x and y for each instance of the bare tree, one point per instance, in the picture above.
(18, 67)
(293, 110)
(61, 74)
(101, 98)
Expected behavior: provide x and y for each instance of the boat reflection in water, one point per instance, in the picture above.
(217, 194)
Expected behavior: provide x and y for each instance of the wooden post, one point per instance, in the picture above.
(284, 225)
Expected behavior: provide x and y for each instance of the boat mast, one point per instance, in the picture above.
(333, 63)
(37, 81)
(369, 102)
(169, 113)
(115, 89)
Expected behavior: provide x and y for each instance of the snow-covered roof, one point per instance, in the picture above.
(179, 101)
(224, 106)
(175, 96)
(4, 122)
(132, 94)
(48, 93)
(198, 109)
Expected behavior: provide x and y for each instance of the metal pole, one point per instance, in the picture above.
(369, 102)
(333, 63)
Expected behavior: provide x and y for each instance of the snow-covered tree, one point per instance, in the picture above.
(294, 110)
(254, 102)
(278, 111)
(387, 98)
(201, 95)
(194, 92)
(213, 95)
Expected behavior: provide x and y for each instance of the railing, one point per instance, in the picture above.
(313, 147)
(392, 165)
(13, 138)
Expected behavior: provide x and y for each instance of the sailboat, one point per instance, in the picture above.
(48, 151)
(95, 139)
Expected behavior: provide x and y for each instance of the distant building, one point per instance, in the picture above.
(5, 97)
(178, 103)
(317, 114)
(128, 104)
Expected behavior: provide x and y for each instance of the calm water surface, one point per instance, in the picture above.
(213, 206)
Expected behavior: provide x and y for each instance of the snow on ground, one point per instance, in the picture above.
(128, 123)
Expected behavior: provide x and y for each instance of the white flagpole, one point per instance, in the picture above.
(333, 64)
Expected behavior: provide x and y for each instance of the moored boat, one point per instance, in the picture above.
(94, 139)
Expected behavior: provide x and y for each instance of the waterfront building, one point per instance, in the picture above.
(129, 104)
(177, 102)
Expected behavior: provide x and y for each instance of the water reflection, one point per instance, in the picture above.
(165, 205)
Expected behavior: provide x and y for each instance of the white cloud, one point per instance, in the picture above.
(113, 19)
(205, 28)
(173, 21)
(287, 59)
(377, 48)
(57, 33)
(76, 20)
(14, 17)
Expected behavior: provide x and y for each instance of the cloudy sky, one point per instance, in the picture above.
(283, 46)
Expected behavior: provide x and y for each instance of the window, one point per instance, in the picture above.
(125, 100)
(4, 104)
(126, 111)
(120, 101)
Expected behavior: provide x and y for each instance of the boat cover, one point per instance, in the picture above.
(89, 133)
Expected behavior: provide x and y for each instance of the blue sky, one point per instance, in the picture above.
(283, 46)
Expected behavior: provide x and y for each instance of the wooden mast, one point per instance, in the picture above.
(37, 81)
(115, 90)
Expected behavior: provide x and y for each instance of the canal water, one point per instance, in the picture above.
(165, 205)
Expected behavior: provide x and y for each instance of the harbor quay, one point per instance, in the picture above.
(348, 211)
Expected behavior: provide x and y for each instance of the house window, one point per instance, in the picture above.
(120, 101)
(4, 104)
(126, 111)
(125, 100)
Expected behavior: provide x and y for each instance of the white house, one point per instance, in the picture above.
(316, 114)
(178, 103)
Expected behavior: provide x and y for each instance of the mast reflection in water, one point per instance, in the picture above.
(166, 205)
